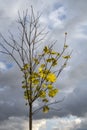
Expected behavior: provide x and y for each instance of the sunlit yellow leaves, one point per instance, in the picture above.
(26, 94)
(43, 72)
(53, 52)
(36, 61)
(24, 86)
(45, 100)
(54, 62)
(34, 78)
(52, 92)
(40, 75)
(67, 57)
(49, 86)
(49, 60)
(45, 109)
(42, 65)
(40, 69)
(47, 75)
(51, 77)
(37, 88)
(58, 54)
(26, 97)
(46, 50)
(35, 81)
(35, 74)
(42, 94)
(25, 67)
(44, 85)
(65, 46)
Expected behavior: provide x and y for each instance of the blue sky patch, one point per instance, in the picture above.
(9, 65)
(62, 17)
(57, 5)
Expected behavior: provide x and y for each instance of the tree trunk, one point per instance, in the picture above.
(30, 117)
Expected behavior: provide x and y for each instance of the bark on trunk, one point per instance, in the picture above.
(30, 117)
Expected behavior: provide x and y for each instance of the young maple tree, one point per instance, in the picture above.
(39, 68)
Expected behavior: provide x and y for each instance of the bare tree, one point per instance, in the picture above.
(39, 69)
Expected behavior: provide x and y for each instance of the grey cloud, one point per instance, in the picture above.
(11, 77)
(11, 94)
(75, 103)
(83, 124)
(14, 123)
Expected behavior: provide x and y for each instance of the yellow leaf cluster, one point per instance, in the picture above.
(49, 86)
(46, 50)
(53, 52)
(36, 61)
(52, 92)
(51, 77)
(45, 109)
(67, 57)
(45, 100)
(25, 67)
(65, 46)
(52, 60)
(26, 94)
(42, 94)
(44, 85)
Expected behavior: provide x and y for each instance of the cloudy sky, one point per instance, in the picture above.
(59, 16)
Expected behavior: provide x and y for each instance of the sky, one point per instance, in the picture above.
(59, 16)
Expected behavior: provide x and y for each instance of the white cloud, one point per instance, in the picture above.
(56, 17)
(2, 66)
(21, 123)
(64, 123)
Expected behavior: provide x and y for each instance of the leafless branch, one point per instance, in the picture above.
(48, 104)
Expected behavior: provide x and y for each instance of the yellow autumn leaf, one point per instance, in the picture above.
(25, 67)
(40, 69)
(54, 62)
(36, 61)
(35, 81)
(44, 85)
(45, 109)
(49, 86)
(46, 50)
(49, 60)
(42, 75)
(42, 65)
(65, 46)
(26, 94)
(51, 77)
(52, 92)
(24, 86)
(67, 57)
(42, 94)
(45, 100)
(53, 52)
(58, 54)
